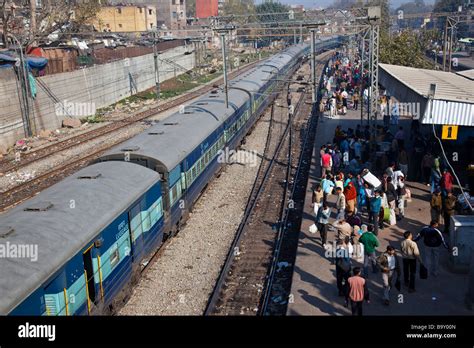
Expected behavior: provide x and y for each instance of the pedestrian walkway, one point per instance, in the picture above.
(314, 290)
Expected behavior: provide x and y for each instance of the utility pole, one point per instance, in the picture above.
(451, 40)
(445, 44)
(33, 18)
(23, 77)
(313, 66)
(224, 64)
(363, 59)
(312, 27)
(157, 71)
(374, 15)
(222, 31)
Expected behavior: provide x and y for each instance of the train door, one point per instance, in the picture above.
(89, 276)
(136, 230)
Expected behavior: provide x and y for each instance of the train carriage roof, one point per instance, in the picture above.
(171, 140)
(99, 193)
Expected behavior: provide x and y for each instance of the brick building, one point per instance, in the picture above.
(207, 8)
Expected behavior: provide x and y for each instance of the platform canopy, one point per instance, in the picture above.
(453, 101)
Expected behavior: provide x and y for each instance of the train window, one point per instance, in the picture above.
(159, 207)
(188, 178)
(174, 194)
(114, 256)
(146, 221)
(194, 172)
(171, 196)
(178, 190)
(52, 304)
(154, 213)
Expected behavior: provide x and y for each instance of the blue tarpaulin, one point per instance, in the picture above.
(36, 62)
(33, 62)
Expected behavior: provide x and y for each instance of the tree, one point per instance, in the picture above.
(451, 6)
(239, 8)
(244, 12)
(271, 14)
(406, 48)
(414, 7)
(30, 25)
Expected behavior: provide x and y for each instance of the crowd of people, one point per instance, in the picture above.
(368, 184)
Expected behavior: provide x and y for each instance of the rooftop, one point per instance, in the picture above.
(469, 74)
(449, 86)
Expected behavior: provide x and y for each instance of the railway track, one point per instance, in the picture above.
(28, 189)
(240, 283)
(14, 164)
(278, 287)
(247, 279)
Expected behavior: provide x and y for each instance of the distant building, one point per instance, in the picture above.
(207, 8)
(127, 18)
(171, 13)
(296, 7)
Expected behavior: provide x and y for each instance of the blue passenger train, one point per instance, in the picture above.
(96, 228)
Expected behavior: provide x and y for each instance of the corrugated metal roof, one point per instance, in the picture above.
(447, 112)
(467, 74)
(449, 86)
(453, 102)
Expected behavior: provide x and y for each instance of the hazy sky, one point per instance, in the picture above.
(324, 3)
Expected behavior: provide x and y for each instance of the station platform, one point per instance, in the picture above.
(314, 290)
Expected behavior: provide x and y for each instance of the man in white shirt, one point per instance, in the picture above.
(340, 204)
(389, 264)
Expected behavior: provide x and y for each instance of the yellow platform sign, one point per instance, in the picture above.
(449, 133)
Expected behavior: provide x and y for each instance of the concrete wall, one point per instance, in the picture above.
(98, 86)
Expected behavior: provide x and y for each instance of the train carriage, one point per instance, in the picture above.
(94, 229)
(88, 230)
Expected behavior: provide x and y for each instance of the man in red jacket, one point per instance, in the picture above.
(326, 164)
(446, 182)
(350, 193)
